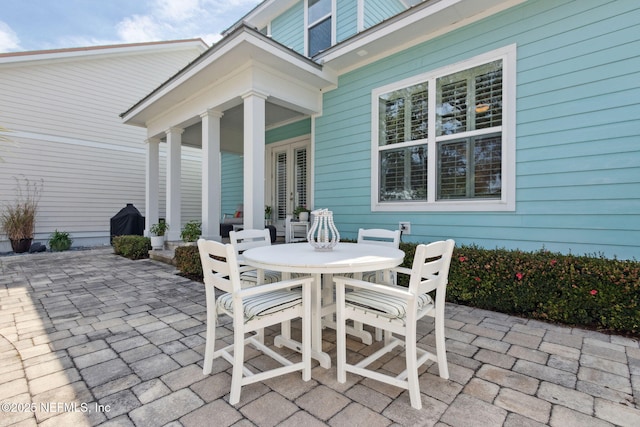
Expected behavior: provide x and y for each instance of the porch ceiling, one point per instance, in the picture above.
(231, 127)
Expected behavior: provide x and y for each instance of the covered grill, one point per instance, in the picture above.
(126, 222)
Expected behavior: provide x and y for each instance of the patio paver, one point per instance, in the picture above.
(90, 338)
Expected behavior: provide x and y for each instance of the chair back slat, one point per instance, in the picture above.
(431, 267)
(219, 265)
(379, 236)
(247, 239)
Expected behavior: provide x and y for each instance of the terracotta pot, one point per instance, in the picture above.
(21, 246)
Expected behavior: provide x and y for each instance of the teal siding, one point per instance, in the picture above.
(292, 130)
(577, 133)
(347, 19)
(232, 182)
(288, 28)
(376, 11)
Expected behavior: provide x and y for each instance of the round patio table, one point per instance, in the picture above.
(304, 259)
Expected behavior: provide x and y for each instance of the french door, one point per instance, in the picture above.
(290, 178)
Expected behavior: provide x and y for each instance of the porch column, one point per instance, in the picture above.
(254, 153)
(174, 196)
(211, 175)
(152, 184)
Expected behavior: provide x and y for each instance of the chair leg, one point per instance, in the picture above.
(238, 360)
(412, 368)
(341, 335)
(306, 334)
(441, 351)
(212, 317)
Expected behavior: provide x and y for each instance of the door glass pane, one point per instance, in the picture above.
(300, 155)
(281, 185)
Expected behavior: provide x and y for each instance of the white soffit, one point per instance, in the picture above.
(425, 21)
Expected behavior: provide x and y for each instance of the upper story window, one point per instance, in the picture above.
(319, 25)
(445, 140)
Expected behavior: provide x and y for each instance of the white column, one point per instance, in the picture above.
(254, 153)
(211, 175)
(152, 183)
(174, 196)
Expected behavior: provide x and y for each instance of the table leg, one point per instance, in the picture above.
(316, 328)
(329, 309)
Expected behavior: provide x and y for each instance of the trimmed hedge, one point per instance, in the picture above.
(187, 260)
(131, 246)
(587, 291)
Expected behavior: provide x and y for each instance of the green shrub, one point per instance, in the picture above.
(191, 231)
(132, 247)
(188, 262)
(589, 291)
(60, 241)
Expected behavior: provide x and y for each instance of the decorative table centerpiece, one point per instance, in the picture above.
(323, 234)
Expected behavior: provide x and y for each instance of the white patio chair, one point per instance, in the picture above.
(377, 236)
(246, 239)
(398, 309)
(251, 309)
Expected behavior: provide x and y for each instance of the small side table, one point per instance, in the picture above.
(299, 227)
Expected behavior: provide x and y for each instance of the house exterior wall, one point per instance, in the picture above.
(63, 113)
(288, 28)
(577, 132)
(376, 11)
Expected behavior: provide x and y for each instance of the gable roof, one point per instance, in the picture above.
(77, 52)
(222, 59)
(424, 21)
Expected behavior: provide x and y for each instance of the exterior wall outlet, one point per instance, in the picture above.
(405, 227)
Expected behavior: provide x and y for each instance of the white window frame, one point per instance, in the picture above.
(308, 24)
(508, 161)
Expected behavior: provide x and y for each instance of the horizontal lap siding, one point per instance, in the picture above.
(232, 182)
(67, 131)
(376, 11)
(288, 28)
(577, 133)
(347, 19)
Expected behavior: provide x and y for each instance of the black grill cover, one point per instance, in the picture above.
(126, 222)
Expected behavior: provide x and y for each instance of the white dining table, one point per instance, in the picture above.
(305, 259)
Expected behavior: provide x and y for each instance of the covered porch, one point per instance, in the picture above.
(225, 101)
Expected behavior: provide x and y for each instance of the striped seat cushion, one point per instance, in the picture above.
(367, 276)
(382, 304)
(251, 277)
(262, 305)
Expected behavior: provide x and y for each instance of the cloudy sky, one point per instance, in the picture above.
(51, 24)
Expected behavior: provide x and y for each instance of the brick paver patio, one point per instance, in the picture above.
(91, 338)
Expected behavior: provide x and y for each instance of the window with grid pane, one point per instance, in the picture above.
(467, 135)
(319, 25)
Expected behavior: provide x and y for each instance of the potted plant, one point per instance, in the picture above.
(18, 219)
(60, 241)
(157, 234)
(191, 231)
(302, 213)
(267, 212)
